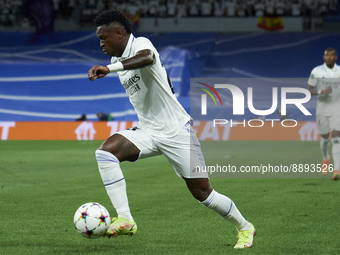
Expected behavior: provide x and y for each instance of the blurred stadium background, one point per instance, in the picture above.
(46, 50)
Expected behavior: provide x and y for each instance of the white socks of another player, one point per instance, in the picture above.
(324, 146)
(336, 152)
(225, 207)
(114, 182)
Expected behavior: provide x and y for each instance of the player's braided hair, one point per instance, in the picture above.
(113, 16)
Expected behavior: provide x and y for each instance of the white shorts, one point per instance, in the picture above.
(183, 151)
(327, 123)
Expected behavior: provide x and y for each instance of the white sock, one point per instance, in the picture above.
(114, 182)
(324, 146)
(225, 207)
(336, 152)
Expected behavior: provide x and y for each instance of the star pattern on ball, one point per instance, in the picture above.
(102, 219)
(89, 232)
(84, 215)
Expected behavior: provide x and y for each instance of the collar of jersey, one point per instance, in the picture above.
(128, 48)
(335, 67)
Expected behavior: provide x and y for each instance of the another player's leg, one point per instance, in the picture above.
(224, 206)
(323, 124)
(336, 154)
(113, 151)
(326, 158)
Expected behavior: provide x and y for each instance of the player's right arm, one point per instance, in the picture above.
(315, 92)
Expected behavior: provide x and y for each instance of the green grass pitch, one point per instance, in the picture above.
(42, 183)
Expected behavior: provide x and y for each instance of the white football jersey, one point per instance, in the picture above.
(151, 93)
(321, 77)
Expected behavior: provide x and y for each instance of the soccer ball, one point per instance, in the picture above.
(91, 220)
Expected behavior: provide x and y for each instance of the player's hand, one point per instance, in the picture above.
(328, 90)
(98, 72)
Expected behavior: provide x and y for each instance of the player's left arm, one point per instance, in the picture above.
(142, 59)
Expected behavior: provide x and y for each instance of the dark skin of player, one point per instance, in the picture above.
(113, 40)
(329, 58)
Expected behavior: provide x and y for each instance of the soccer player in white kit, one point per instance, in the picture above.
(164, 127)
(324, 81)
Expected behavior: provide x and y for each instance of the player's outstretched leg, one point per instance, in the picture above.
(224, 206)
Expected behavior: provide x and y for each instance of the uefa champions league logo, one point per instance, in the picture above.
(238, 103)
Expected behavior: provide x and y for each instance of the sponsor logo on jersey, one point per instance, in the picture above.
(131, 86)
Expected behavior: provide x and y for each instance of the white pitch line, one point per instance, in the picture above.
(63, 116)
(65, 98)
(49, 77)
(84, 38)
(236, 38)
